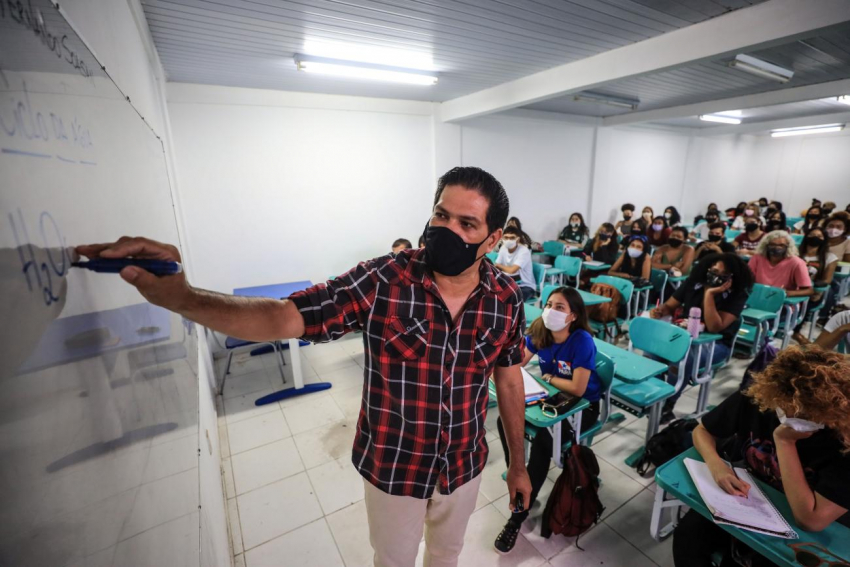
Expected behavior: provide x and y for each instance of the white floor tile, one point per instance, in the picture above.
(241, 384)
(309, 546)
(244, 363)
(171, 458)
(309, 414)
(276, 509)
(337, 484)
(492, 484)
(235, 527)
(241, 408)
(531, 527)
(481, 501)
(632, 522)
(348, 377)
(326, 443)
(349, 400)
(350, 528)
(257, 431)
(615, 448)
(162, 501)
(266, 464)
(602, 546)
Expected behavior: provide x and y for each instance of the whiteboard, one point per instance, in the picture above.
(99, 403)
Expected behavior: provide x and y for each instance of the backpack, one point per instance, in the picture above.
(606, 312)
(667, 444)
(574, 506)
(760, 361)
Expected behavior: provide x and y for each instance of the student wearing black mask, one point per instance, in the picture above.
(814, 217)
(603, 247)
(624, 226)
(715, 242)
(747, 242)
(700, 231)
(674, 257)
(821, 264)
(775, 221)
(719, 286)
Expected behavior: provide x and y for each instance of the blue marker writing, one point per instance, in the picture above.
(110, 266)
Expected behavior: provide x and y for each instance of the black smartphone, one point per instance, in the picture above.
(519, 505)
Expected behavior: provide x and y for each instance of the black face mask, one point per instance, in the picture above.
(715, 238)
(604, 237)
(710, 220)
(627, 215)
(813, 216)
(714, 280)
(774, 225)
(814, 241)
(674, 242)
(776, 251)
(446, 253)
(752, 227)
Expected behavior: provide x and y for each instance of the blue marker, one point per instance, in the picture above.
(114, 266)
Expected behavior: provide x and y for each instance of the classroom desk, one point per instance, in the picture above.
(676, 281)
(673, 479)
(703, 341)
(282, 291)
(534, 416)
(640, 297)
(601, 267)
(792, 307)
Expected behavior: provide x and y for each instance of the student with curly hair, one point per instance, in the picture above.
(790, 428)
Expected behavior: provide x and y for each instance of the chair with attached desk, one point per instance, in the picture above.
(539, 272)
(665, 342)
(567, 270)
(797, 238)
(701, 376)
(813, 312)
(551, 249)
(492, 256)
(793, 310)
(626, 289)
(760, 317)
(237, 346)
(731, 234)
(658, 278)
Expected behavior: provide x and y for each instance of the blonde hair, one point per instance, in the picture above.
(812, 382)
(776, 234)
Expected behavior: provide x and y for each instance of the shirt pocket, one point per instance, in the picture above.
(407, 337)
(488, 344)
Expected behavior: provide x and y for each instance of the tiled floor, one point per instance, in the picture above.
(294, 498)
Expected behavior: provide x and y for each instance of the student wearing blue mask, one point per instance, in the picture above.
(561, 339)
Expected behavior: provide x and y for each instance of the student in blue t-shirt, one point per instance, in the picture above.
(562, 341)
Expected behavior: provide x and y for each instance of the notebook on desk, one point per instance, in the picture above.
(593, 263)
(755, 513)
(533, 390)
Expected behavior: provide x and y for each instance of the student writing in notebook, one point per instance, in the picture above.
(802, 388)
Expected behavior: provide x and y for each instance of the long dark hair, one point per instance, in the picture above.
(633, 262)
(823, 249)
(541, 337)
(810, 224)
(581, 227)
(675, 217)
(612, 243)
(742, 277)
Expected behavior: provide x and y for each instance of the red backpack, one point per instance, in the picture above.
(574, 505)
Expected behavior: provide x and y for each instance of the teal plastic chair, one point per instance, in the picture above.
(492, 256)
(568, 268)
(659, 282)
(791, 221)
(626, 289)
(797, 238)
(760, 317)
(732, 234)
(539, 279)
(812, 313)
(669, 344)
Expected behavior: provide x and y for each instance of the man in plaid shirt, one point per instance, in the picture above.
(437, 323)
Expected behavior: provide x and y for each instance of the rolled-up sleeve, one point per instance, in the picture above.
(332, 309)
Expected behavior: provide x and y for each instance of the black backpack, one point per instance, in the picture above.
(667, 444)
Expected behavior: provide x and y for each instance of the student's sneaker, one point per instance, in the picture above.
(507, 539)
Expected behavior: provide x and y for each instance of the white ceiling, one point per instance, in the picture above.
(478, 44)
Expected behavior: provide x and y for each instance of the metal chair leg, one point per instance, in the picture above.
(225, 373)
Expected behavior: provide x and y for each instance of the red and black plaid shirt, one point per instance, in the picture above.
(425, 392)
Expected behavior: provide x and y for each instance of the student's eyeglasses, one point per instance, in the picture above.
(810, 559)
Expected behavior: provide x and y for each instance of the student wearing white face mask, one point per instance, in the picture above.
(561, 339)
(515, 259)
(790, 429)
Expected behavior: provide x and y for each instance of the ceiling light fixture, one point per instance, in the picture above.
(719, 118)
(843, 99)
(761, 68)
(364, 71)
(365, 53)
(800, 131)
(599, 98)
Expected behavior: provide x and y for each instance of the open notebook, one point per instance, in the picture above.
(755, 513)
(533, 390)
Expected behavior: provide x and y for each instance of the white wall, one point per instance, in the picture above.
(284, 187)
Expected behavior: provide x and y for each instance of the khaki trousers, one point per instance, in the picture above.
(396, 524)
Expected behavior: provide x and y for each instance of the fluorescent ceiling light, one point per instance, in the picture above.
(820, 129)
(732, 113)
(843, 99)
(599, 98)
(719, 118)
(361, 53)
(364, 71)
(761, 68)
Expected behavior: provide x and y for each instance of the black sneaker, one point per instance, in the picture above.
(507, 539)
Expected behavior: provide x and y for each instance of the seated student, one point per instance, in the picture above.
(603, 247)
(835, 330)
(421, 241)
(645, 219)
(715, 243)
(401, 244)
(815, 203)
(700, 231)
(777, 263)
(719, 285)
(775, 220)
(658, 232)
(838, 232)
(672, 216)
(515, 259)
(636, 262)
(624, 226)
(751, 212)
(812, 468)
(747, 242)
(576, 233)
(827, 208)
(731, 213)
(814, 217)
(674, 257)
(821, 264)
(561, 338)
(524, 238)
